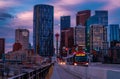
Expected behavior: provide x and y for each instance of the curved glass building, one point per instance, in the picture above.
(43, 30)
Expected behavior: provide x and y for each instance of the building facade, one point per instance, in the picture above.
(114, 32)
(67, 37)
(2, 47)
(17, 47)
(65, 22)
(43, 30)
(82, 16)
(79, 36)
(22, 37)
(67, 40)
(102, 17)
(98, 36)
(25, 57)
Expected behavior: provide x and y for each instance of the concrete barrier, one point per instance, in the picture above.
(92, 72)
(113, 74)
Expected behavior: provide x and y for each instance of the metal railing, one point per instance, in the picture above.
(37, 73)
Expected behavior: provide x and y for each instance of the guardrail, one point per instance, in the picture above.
(37, 73)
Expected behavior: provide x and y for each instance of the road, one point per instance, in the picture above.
(106, 66)
(61, 73)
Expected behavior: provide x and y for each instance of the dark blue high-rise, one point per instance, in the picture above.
(102, 17)
(114, 32)
(64, 22)
(43, 29)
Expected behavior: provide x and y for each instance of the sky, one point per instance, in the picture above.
(19, 14)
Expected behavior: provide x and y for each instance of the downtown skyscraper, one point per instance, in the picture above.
(98, 36)
(114, 32)
(82, 16)
(22, 37)
(43, 29)
(79, 34)
(101, 18)
(65, 22)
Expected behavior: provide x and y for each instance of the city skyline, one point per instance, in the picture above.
(19, 14)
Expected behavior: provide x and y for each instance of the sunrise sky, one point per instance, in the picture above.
(19, 14)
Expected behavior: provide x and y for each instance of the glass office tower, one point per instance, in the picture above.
(102, 17)
(114, 32)
(43, 30)
(64, 22)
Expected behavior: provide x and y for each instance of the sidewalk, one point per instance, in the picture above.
(55, 73)
(49, 73)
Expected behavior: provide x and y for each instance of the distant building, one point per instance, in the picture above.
(2, 47)
(100, 17)
(80, 35)
(114, 55)
(114, 43)
(17, 47)
(98, 35)
(43, 30)
(82, 16)
(25, 57)
(67, 39)
(114, 32)
(90, 21)
(65, 22)
(22, 37)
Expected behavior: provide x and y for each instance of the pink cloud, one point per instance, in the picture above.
(27, 15)
(69, 2)
(59, 11)
(112, 4)
(23, 20)
(8, 3)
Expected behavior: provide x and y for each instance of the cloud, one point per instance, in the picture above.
(4, 16)
(63, 8)
(112, 4)
(26, 15)
(60, 12)
(8, 3)
(23, 20)
(69, 2)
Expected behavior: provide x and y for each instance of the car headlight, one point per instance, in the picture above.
(86, 63)
(75, 64)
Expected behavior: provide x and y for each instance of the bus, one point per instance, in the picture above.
(79, 58)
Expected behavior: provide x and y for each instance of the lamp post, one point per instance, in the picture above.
(57, 37)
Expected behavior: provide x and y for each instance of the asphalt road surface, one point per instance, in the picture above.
(61, 73)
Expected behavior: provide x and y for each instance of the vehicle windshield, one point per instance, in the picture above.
(80, 58)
